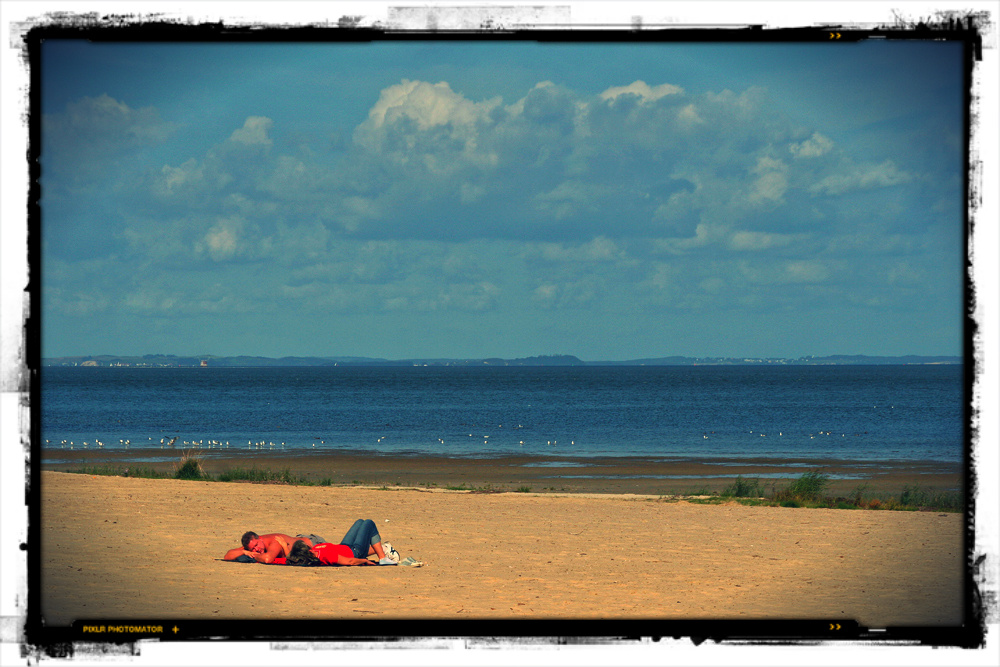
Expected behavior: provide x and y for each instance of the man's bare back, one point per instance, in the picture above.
(265, 548)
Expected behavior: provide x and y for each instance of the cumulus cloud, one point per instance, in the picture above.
(643, 90)
(754, 241)
(861, 177)
(784, 272)
(79, 144)
(103, 123)
(237, 168)
(254, 131)
(424, 117)
(222, 240)
(771, 181)
(428, 104)
(563, 190)
(815, 146)
(428, 162)
(599, 249)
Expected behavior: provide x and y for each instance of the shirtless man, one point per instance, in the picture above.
(265, 548)
(362, 540)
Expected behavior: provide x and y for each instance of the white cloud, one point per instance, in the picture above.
(560, 162)
(704, 235)
(806, 271)
(643, 90)
(599, 249)
(771, 183)
(861, 177)
(424, 140)
(567, 294)
(223, 240)
(93, 136)
(174, 180)
(748, 240)
(428, 106)
(253, 132)
(105, 120)
(784, 272)
(815, 146)
(688, 116)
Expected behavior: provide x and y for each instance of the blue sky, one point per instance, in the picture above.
(474, 199)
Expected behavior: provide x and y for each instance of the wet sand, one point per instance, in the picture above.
(659, 476)
(144, 549)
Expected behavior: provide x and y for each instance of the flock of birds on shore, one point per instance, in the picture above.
(171, 442)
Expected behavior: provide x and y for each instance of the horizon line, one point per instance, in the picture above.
(333, 357)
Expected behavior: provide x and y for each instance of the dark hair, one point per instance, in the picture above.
(247, 536)
(300, 554)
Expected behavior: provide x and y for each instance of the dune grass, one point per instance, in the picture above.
(806, 491)
(119, 470)
(744, 488)
(809, 491)
(190, 467)
(258, 476)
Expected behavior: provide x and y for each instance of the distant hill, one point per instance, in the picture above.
(173, 361)
(833, 360)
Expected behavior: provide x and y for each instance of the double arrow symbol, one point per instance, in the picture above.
(832, 35)
(835, 626)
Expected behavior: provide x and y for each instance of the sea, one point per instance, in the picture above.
(851, 413)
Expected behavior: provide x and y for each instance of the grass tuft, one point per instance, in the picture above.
(809, 486)
(256, 475)
(190, 467)
(744, 488)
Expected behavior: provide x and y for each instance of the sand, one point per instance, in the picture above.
(142, 549)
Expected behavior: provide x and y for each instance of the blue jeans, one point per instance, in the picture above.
(362, 535)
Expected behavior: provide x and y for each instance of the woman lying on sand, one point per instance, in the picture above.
(362, 540)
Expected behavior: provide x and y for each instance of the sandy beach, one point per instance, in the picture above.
(142, 549)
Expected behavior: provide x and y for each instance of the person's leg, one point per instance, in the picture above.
(363, 539)
(377, 550)
(352, 533)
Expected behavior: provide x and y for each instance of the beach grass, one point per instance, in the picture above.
(258, 476)
(108, 470)
(809, 486)
(744, 488)
(806, 491)
(190, 467)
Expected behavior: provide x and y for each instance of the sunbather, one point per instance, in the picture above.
(362, 540)
(265, 548)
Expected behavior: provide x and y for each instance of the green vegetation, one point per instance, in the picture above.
(122, 471)
(808, 487)
(190, 468)
(743, 488)
(806, 491)
(259, 476)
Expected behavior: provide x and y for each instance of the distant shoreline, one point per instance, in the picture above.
(211, 361)
(606, 474)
